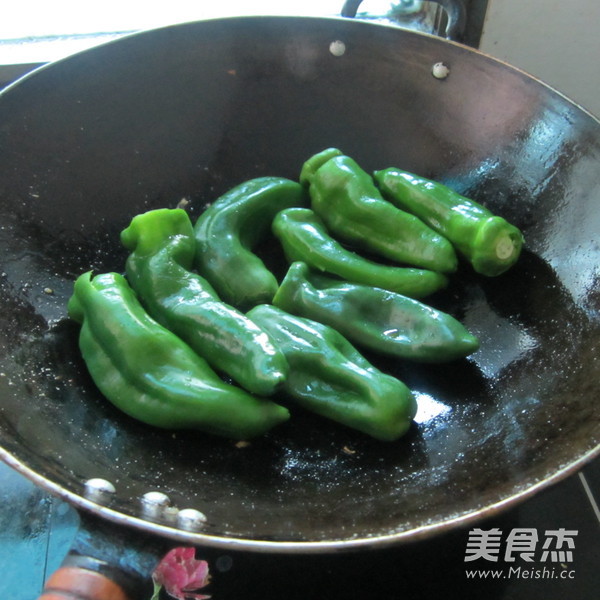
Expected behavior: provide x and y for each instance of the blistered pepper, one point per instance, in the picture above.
(229, 229)
(159, 268)
(310, 166)
(329, 377)
(374, 318)
(305, 238)
(488, 241)
(354, 211)
(149, 373)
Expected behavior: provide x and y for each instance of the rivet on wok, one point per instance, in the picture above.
(190, 519)
(337, 48)
(155, 505)
(440, 70)
(99, 490)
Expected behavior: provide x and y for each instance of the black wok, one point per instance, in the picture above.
(188, 111)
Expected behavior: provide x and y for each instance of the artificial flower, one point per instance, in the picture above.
(181, 575)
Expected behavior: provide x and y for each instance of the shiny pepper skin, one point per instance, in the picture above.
(328, 376)
(305, 238)
(374, 318)
(151, 374)
(159, 268)
(346, 199)
(490, 243)
(229, 229)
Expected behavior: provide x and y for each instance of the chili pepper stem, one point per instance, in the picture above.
(505, 247)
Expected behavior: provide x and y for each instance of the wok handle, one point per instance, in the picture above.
(455, 9)
(77, 583)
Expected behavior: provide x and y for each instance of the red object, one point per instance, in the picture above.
(73, 583)
(181, 574)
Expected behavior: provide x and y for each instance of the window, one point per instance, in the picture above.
(41, 30)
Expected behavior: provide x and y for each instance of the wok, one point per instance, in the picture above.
(188, 111)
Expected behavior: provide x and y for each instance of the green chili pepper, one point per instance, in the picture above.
(159, 269)
(489, 242)
(374, 318)
(354, 211)
(305, 238)
(230, 228)
(316, 161)
(330, 377)
(151, 374)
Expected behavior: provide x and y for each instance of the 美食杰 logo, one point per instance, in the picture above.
(527, 552)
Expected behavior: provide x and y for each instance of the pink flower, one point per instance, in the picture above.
(180, 574)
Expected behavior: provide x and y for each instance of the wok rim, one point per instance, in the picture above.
(319, 18)
(197, 538)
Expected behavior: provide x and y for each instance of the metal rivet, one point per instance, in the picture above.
(337, 48)
(155, 505)
(190, 519)
(99, 490)
(440, 70)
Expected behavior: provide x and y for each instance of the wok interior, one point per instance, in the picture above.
(192, 110)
